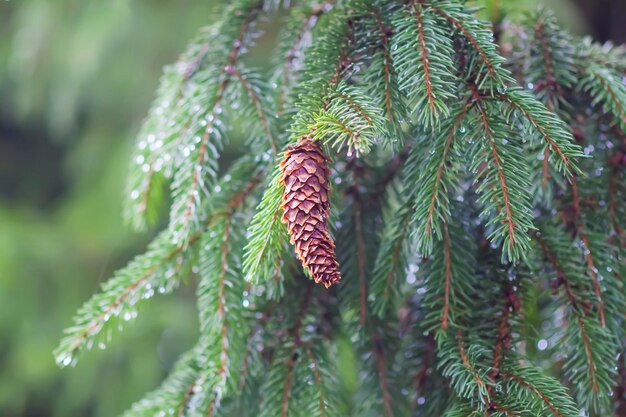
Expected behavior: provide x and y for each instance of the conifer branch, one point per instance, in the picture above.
(360, 248)
(544, 397)
(287, 388)
(387, 65)
(433, 190)
(503, 338)
(441, 165)
(189, 186)
(307, 22)
(479, 38)
(280, 381)
(157, 270)
(510, 222)
(549, 127)
(447, 261)
(561, 275)
(505, 191)
(425, 68)
(393, 252)
(256, 100)
(593, 271)
(550, 69)
(589, 353)
(267, 235)
(609, 90)
(594, 344)
(381, 366)
(319, 383)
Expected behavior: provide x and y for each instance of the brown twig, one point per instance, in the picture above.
(501, 178)
(587, 250)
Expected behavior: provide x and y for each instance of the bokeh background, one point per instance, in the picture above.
(76, 78)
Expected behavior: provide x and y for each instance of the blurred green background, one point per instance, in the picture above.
(76, 79)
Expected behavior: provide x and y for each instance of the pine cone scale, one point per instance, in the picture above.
(306, 208)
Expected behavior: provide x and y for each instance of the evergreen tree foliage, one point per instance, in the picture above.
(477, 205)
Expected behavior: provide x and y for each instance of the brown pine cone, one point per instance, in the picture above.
(306, 206)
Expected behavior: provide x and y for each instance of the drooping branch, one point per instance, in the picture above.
(589, 257)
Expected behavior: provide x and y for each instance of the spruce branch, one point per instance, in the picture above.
(267, 239)
(441, 165)
(385, 69)
(489, 74)
(504, 191)
(607, 89)
(195, 177)
(381, 367)
(358, 226)
(159, 270)
(222, 302)
(450, 279)
(550, 65)
(423, 52)
(606, 55)
(460, 365)
(587, 367)
(152, 160)
(432, 191)
(553, 399)
(156, 271)
(257, 92)
(393, 253)
(295, 40)
(589, 257)
(550, 128)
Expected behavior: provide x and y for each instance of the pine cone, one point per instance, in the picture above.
(306, 206)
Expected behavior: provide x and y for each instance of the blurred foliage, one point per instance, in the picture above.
(76, 78)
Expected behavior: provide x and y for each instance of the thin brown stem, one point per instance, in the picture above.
(385, 39)
(589, 353)
(587, 250)
(544, 133)
(442, 164)
(424, 51)
(468, 35)
(535, 390)
(501, 178)
(447, 259)
(381, 365)
(318, 382)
